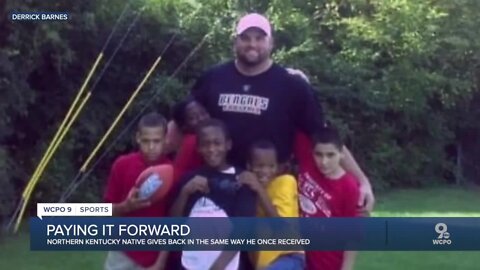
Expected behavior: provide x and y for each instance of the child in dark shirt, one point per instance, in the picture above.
(213, 191)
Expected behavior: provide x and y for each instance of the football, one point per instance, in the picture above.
(155, 182)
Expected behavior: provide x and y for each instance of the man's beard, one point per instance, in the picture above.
(243, 59)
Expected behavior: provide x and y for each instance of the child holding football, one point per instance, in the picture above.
(122, 192)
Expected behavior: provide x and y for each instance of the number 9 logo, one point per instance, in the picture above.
(441, 229)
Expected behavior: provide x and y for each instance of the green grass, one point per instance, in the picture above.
(15, 254)
(441, 202)
(453, 202)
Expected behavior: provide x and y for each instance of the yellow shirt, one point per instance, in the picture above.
(283, 194)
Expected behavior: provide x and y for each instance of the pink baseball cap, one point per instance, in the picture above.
(254, 20)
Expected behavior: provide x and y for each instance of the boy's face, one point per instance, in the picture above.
(194, 114)
(213, 146)
(264, 164)
(150, 141)
(327, 158)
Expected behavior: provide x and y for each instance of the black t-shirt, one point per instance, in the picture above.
(226, 193)
(269, 106)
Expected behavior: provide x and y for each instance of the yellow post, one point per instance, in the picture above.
(49, 156)
(119, 116)
(64, 121)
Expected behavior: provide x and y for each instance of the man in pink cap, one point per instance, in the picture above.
(256, 98)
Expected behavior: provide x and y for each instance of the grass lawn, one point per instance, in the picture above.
(452, 202)
(442, 202)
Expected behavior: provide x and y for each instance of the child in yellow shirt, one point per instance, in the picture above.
(278, 197)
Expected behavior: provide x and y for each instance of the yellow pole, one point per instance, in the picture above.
(119, 116)
(49, 156)
(65, 119)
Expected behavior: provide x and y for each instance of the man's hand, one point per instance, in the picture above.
(197, 183)
(250, 179)
(366, 200)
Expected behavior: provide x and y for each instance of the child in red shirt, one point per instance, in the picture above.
(120, 191)
(326, 190)
(187, 114)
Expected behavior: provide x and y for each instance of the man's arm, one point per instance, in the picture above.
(308, 111)
(298, 72)
(366, 199)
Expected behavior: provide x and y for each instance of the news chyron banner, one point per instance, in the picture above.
(91, 227)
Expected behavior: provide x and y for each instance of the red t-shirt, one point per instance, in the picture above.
(188, 158)
(323, 198)
(123, 175)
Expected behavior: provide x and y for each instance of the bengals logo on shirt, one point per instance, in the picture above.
(243, 103)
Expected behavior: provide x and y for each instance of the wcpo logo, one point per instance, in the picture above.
(443, 235)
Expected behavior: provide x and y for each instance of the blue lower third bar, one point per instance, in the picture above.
(253, 234)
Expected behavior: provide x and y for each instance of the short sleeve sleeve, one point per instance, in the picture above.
(284, 196)
(114, 191)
